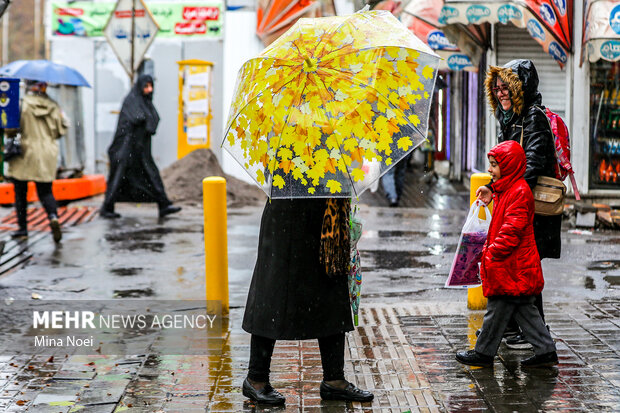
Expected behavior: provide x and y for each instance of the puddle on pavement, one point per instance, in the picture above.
(148, 234)
(132, 246)
(588, 283)
(612, 279)
(604, 265)
(382, 259)
(134, 293)
(439, 249)
(125, 272)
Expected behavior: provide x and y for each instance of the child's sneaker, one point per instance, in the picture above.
(518, 342)
(541, 360)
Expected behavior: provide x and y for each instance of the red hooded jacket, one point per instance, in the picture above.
(510, 261)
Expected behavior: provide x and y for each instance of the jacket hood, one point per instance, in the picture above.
(511, 159)
(41, 104)
(522, 79)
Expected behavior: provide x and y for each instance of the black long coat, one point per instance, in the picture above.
(134, 176)
(538, 142)
(290, 296)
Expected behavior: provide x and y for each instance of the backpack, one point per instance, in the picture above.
(563, 167)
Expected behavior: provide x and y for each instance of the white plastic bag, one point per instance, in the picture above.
(372, 169)
(465, 270)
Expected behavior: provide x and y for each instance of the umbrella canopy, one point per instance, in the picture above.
(327, 96)
(44, 71)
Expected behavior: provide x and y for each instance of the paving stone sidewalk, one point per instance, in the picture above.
(404, 353)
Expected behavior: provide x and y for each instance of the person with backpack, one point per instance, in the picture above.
(512, 93)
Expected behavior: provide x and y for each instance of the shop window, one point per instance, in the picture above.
(605, 125)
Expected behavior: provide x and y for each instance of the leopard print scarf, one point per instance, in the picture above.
(335, 244)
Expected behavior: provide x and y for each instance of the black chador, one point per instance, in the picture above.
(134, 177)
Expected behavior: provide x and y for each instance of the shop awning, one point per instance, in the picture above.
(548, 22)
(601, 35)
(421, 17)
(274, 17)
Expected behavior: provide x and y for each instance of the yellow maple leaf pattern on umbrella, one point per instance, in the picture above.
(328, 96)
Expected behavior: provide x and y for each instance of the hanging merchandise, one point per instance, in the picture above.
(605, 125)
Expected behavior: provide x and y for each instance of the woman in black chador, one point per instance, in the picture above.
(134, 177)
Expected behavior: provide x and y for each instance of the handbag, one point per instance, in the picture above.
(548, 193)
(12, 148)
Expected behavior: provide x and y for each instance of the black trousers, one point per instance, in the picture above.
(332, 357)
(44, 191)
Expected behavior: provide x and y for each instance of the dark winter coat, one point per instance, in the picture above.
(134, 177)
(290, 296)
(510, 264)
(528, 113)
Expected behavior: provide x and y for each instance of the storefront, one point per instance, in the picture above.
(601, 50)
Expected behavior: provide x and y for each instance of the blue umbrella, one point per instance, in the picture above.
(44, 71)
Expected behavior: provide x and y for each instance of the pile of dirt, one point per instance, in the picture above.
(183, 181)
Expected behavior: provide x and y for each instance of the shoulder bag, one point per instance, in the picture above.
(12, 148)
(548, 193)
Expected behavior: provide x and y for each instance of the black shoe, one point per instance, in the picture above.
(266, 395)
(473, 358)
(108, 214)
(168, 210)
(56, 232)
(518, 342)
(541, 360)
(350, 393)
(20, 234)
(393, 202)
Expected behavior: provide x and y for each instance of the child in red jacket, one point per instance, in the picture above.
(510, 267)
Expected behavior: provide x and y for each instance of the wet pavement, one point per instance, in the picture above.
(403, 350)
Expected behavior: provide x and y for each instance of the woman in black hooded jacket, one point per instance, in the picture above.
(134, 177)
(512, 92)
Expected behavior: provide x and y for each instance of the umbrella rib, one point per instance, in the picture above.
(379, 94)
(339, 144)
(332, 33)
(250, 101)
(330, 58)
(286, 124)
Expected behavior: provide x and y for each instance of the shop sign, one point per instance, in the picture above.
(610, 50)
(561, 6)
(459, 62)
(509, 12)
(535, 29)
(437, 40)
(447, 13)
(557, 52)
(477, 12)
(175, 19)
(546, 11)
(614, 19)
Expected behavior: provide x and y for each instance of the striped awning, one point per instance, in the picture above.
(547, 21)
(601, 35)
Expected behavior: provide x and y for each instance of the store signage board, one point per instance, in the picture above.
(127, 35)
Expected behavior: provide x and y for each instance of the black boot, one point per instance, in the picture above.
(473, 358)
(541, 360)
(170, 209)
(20, 234)
(108, 213)
(55, 227)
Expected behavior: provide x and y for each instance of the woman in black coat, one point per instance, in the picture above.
(292, 297)
(134, 177)
(512, 93)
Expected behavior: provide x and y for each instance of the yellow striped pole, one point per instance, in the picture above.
(216, 240)
(475, 299)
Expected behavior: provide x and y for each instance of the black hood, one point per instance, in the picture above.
(528, 76)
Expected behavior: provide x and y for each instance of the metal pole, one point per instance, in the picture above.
(37, 27)
(475, 299)
(5, 38)
(133, 36)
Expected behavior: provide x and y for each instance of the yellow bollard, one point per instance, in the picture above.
(475, 299)
(216, 240)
